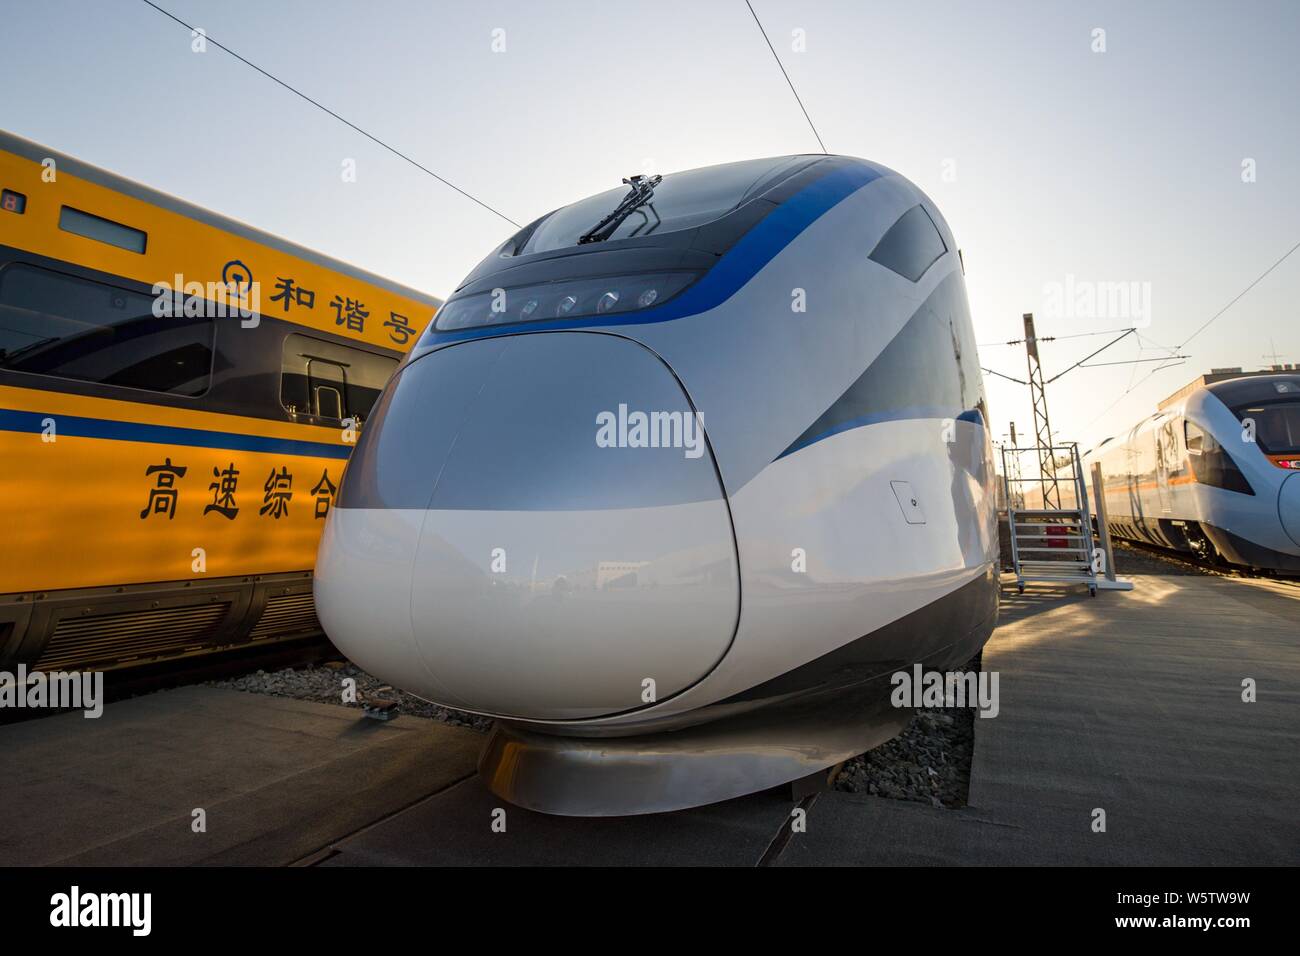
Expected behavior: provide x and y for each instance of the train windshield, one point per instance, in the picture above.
(681, 201)
(1277, 426)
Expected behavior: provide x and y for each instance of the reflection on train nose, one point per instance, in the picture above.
(565, 549)
(564, 614)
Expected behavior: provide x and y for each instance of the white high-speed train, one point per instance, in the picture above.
(675, 481)
(1215, 472)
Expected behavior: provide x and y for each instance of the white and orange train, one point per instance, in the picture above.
(1214, 472)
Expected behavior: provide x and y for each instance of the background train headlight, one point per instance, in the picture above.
(601, 295)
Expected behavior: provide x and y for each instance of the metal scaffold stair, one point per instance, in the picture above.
(1050, 543)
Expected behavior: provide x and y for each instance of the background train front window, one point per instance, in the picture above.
(1211, 463)
(1277, 426)
(56, 324)
(331, 381)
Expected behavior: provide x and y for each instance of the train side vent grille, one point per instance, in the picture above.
(287, 614)
(105, 639)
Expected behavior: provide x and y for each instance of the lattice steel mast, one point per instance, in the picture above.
(1042, 426)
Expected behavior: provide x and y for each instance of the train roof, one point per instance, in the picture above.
(1218, 376)
(1232, 387)
(699, 214)
(1256, 388)
(27, 149)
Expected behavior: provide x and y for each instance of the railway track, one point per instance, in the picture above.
(123, 683)
(1158, 555)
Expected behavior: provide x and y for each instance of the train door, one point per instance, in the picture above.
(1166, 462)
(327, 386)
(1133, 469)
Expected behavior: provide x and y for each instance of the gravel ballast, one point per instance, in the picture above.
(929, 762)
(324, 683)
(1134, 559)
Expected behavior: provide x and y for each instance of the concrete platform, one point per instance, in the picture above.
(1129, 702)
(278, 778)
(454, 828)
(285, 781)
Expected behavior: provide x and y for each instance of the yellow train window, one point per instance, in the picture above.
(102, 230)
(55, 324)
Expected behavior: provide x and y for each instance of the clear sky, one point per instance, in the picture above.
(1049, 158)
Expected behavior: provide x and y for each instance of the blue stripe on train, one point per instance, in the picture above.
(79, 427)
(970, 415)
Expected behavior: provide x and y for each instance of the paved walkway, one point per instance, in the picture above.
(1128, 702)
(278, 778)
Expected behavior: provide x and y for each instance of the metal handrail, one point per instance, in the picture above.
(1080, 553)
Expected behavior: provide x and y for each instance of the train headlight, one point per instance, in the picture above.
(564, 299)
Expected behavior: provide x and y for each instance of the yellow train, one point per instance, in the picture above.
(178, 397)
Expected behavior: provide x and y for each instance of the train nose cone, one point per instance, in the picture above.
(533, 526)
(1288, 507)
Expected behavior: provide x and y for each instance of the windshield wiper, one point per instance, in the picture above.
(642, 191)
